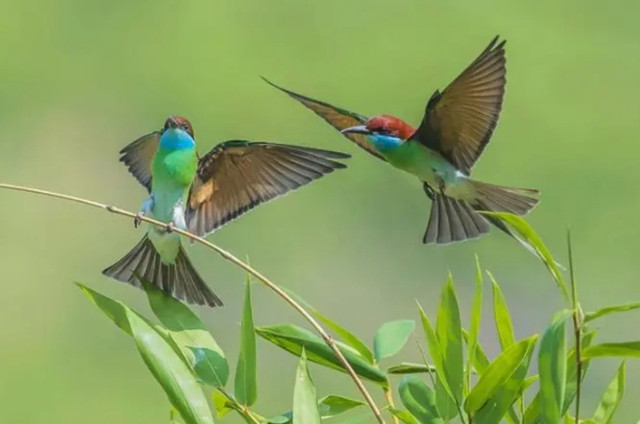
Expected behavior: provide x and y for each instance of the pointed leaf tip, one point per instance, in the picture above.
(391, 338)
(246, 385)
(305, 406)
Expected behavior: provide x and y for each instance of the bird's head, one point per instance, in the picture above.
(177, 133)
(384, 131)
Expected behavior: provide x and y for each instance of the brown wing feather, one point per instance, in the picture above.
(237, 176)
(336, 117)
(138, 155)
(459, 121)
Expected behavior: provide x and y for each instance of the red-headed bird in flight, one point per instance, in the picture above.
(456, 128)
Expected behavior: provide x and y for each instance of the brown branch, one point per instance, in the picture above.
(231, 258)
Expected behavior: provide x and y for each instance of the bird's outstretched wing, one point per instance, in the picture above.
(459, 122)
(138, 156)
(237, 175)
(337, 117)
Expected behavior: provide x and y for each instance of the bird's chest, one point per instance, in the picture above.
(424, 163)
(172, 175)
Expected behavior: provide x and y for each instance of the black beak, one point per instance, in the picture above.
(358, 129)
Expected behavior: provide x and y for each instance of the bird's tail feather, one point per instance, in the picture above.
(179, 280)
(456, 220)
(453, 220)
(494, 198)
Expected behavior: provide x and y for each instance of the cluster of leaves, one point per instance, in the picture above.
(456, 380)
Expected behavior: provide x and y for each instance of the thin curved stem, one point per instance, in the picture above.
(231, 258)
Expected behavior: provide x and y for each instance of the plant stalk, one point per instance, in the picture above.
(231, 258)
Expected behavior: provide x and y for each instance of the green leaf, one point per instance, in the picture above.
(444, 398)
(498, 373)
(419, 399)
(533, 239)
(500, 403)
(449, 332)
(221, 404)
(246, 386)
(532, 414)
(329, 406)
(345, 335)
(611, 310)
(391, 338)
(474, 325)
(333, 405)
(502, 317)
(552, 368)
(196, 344)
(305, 405)
(625, 349)
(293, 339)
(403, 416)
(480, 359)
(114, 310)
(410, 368)
(611, 398)
(162, 359)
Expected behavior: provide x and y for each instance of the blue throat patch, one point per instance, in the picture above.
(176, 139)
(384, 142)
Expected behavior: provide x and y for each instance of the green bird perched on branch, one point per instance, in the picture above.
(201, 194)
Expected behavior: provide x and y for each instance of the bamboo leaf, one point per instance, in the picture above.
(293, 339)
(611, 310)
(502, 317)
(161, 357)
(500, 403)
(391, 338)
(196, 344)
(419, 399)
(552, 364)
(474, 325)
(498, 373)
(345, 335)
(611, 398)
(444, 398)
(246, 385)
(625, 349)
(410, 368)
(534, 241)
(305, 407)
(449, 332)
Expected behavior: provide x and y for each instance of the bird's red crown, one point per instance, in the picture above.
(387, 124)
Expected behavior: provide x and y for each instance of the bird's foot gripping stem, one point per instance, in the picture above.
(147, 207)
(137, 220)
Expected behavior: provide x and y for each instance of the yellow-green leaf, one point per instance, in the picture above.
(474, 325)
(497, 374)
(611, 398)
(449, 332)
(625, 349)
(611, 310)
(502, 317)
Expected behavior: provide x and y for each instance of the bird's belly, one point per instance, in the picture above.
(167, 244)
(430, 167)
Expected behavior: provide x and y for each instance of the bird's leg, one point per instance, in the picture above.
(147, 207)
(428, 190)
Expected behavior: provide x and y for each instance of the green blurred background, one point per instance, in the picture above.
(81, 79)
